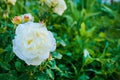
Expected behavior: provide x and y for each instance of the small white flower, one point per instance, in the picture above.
(27, 17)
(59, 6)
(12, 2)
(33, 43)
(86, 53)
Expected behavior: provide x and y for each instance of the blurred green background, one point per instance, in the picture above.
(86, 24)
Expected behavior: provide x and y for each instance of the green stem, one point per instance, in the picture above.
(104, 51)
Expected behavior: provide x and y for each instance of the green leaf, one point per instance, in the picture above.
(9, 56)
(56, 55)
(97, 72)
(91, 15)
(83, 29)
(41, 76)
(24, 76)
(52, 64)
(62, 42)
(18, 65)
(50, 73)
(75, 13)
(84, 77)
(91, 31)
(108, 10)
(7, 76)
(1, 50)
(5, 65)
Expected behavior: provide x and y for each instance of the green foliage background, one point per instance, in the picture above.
(86, 24)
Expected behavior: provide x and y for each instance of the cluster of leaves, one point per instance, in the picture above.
(85, 24)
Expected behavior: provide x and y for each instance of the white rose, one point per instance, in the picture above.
(59, 6)
(27, 17)
(12, 2)
(33, 43)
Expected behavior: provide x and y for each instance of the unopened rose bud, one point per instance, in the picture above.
(17, 20)
(27, 17)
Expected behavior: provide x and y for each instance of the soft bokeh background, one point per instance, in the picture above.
(86, 24)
